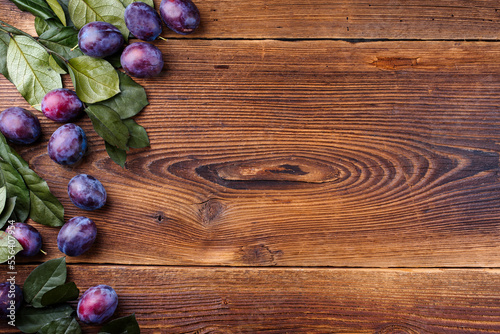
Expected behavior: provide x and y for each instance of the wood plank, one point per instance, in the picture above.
(359, 19)
(229, 300)
(317, 153)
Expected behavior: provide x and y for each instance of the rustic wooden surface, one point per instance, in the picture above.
(354, 145)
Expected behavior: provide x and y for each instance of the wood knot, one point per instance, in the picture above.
(259, 255)
(398, 329)
(395, 63)
(210, 211)
(159, 217)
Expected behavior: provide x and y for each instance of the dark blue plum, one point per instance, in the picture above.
(182, 16)
(61, 105)
(28, 237)
(67, 145)
(19, 126)
(100, 39)
(97, 304)
(86, 192)
(142, 60)
(11, 298)
(76, 236)
(143, 21)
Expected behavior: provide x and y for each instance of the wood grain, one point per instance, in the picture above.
(359, 19)
(252, 300)
(310, 153)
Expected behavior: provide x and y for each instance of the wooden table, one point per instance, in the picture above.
(315, 166)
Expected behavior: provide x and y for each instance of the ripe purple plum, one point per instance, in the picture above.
(11, 298)
(97, 304)
(86, 192)
(76, 236)
(19, 125)
(142, 60)
(28, 237)
(67, 145)
(182, 16)
(61, 105)
(100, 39)
(143, 21)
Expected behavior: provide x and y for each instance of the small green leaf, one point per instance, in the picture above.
(62, 40)
(42, 25)
(55, 66)
(138, 135)
(36, 7)
(4, 46)
(43, 278)
(86, 11)
(27, 64)
(130, 101)
(7, 211)
(30, 320)
(114, 60)
(9, 246)
(94, 79)
(116, 154)
(108, 124)
(128, 2)
(67, 325)
(45, 207)
(60, 294)
(58, 10)
(3, 197)
(16, 188)
(124, 325)
(9, 155)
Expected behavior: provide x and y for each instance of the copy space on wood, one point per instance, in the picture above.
(314, 153)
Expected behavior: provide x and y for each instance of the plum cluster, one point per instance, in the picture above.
(142, 60)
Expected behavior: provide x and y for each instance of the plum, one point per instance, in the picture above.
(100, 39)
(142, 60)
(86, 192)
(182, 16)
(61, 105)
(97, 304)
(76, 236)
(11, 298)
(19, 125)
(143, 21)
(28, 237)
(67, 145)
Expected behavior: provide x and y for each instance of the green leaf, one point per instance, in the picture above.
(9, 155)
(43, 278)
(4, 46)
(94, 79)
(86, 11)
(9, 246)
(128, 2)
(58, 10)
(130, 101)
(60, 294)
(27, 63)
(45, 207)
(30, 320)
(108, 124)
(55, 65)
(42, 25)
(16, 188)
(124, 325)
(138, 135)
(36, 7)
(7, 211)
(3, 197)
(116, 154)
(62, 41)
(67, 325)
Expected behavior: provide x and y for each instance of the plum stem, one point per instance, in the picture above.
(75, 47)
(43, 252)
(163, 39)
